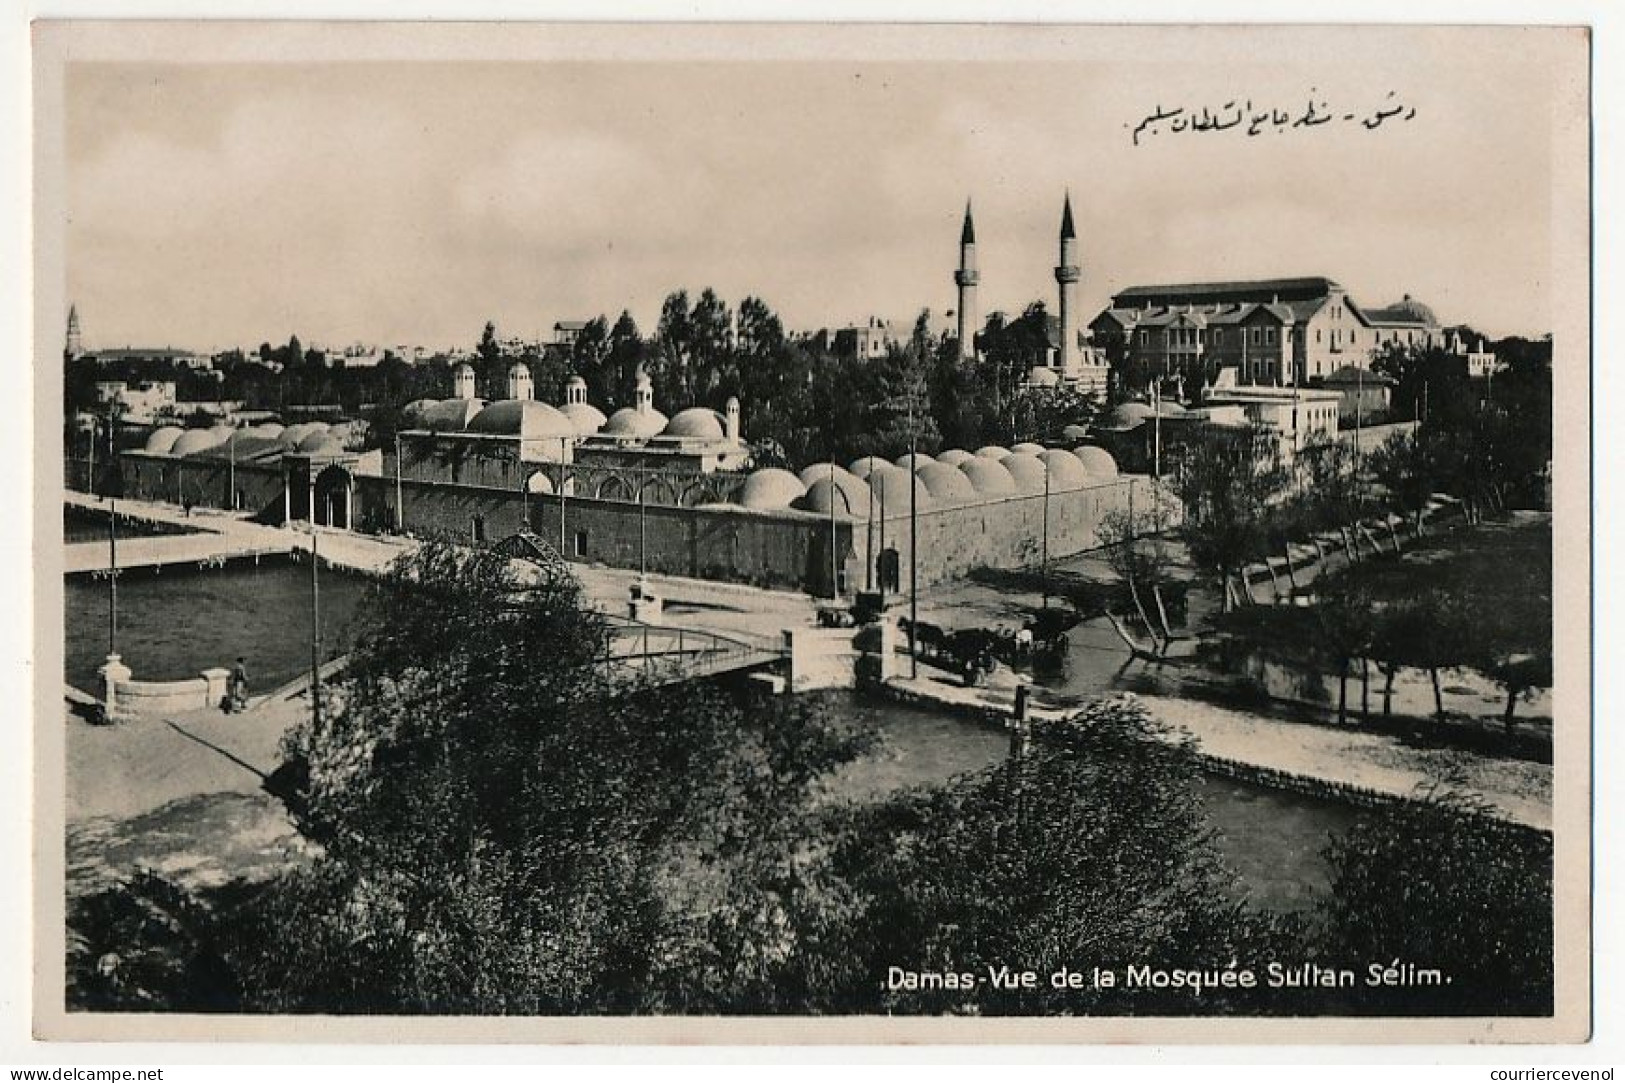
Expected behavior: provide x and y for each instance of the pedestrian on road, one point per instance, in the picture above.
(239, 686)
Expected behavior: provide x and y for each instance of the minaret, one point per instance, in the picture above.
(75, 346)
(966, 278)
(643, 393)
(1067, 274)
(519, 385)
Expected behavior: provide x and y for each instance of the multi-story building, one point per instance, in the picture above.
(1274, 332)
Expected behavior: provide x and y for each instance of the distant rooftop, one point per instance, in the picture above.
(1263, 289)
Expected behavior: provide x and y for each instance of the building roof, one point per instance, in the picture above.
(524, 418)
(1354, 376)
(696, 423)
(630, 421)
(140, 351)
(570, 325)
(770, 488)
(1263, 289)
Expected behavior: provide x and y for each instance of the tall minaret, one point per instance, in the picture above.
(75, 346)
(1067, 275)
(966, 278)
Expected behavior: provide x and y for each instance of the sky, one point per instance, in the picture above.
(212, 205)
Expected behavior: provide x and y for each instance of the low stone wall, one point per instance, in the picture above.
(145, 698)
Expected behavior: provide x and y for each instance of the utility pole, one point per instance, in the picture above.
(1044, 566)
(315, 630)
(400, 502)
(913, 545)
(643, 532)
(834, 575)
(561, 497)
(112, 551)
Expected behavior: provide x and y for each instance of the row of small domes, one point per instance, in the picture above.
(952, 477)
(311, 437)
(533, 419)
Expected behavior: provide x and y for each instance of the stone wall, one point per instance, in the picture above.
(203, 482)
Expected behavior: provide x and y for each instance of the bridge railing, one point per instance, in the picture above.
(647, 646)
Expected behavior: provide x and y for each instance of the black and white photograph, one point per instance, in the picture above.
(776, 532)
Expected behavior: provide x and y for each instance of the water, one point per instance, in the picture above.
(90, 525)
(1272, 839)
(177, 623)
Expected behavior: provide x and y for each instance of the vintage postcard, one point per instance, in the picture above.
(812, 533)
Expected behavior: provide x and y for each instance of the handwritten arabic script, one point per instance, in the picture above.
(1240, 115)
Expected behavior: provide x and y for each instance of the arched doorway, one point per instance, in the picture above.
(332, 495)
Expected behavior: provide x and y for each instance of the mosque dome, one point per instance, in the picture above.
(295, 433)
(318, 440)
(162, 441)
(527, 419)
(697, 423)
(1410, 307)
(1075, 432)
(954, 456)
(771, 488)
(1027, 447)
(1169, 408)
(1126, 415)
(992, 451)
(1065, 471)
(817, 471)
(271, 430)
(849, 495)
(867, 465)
(629, 422)
(1044, 376)
(912, 460)
(988, 476)
(452, 415)
(1028, 471)
(945, 482)
(193, 441)
(412, 415)
(891, 488)
(586, 417)
(1097, 462)
(222, 432)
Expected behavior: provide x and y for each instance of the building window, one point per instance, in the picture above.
(1269, 335)
(581, 543)
(1256, 336)
(1317, 334)
(1217, 336)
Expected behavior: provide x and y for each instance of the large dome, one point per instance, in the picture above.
(162, 441)
(413, 415)
(1097, 462)
(1044, 376)
(586, 417)
(891, 487)
(1028, 470)
(629, 422)
(1026, 447)
(993, 451)
(849, 495)
(1065, 471)
(771, 488)
(268, 429)
(697, 423)
(867, 465)
(946, 483)
(524, 418)
(820, 472)
(954, 456)
(193, 441)
(451, 415)
(1416, 310)
(988, 477)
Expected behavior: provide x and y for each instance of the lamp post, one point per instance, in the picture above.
(561, 496)
(315, 630)
(834, 576)
(400, 501)
(1044, 548)
(913, 545)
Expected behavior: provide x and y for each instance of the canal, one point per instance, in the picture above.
(176, 623)
(1271, 839)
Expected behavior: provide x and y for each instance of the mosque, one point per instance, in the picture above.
(636, 489)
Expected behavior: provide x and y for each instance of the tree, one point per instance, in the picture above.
(1090, 844)
(1228, 481)
(489, 349)
(1439, 884)
(509, 825)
